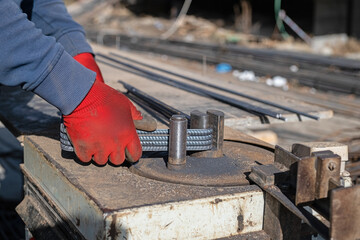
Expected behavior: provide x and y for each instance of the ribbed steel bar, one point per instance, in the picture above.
(146, 105)
(265, 54)
(165, 143)
(190, 132)
(220, 88)
(153, 101)
(158, 115)
(196, 140)
(165, 148)
(313, 73)
(166, 138)
(190, 88)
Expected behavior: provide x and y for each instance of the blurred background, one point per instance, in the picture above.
(321, 27)
(332, 25)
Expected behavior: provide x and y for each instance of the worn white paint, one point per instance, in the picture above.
(337, 148)
(206, 218)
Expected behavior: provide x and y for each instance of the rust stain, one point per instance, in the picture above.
(216, 201)
(240, 220)
(113, 233)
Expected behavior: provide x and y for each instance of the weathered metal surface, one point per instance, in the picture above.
(306, 180)
(199, 120)
(260, 235)
(328, 169)
(289, 161)
(267, 175)
(281, 213)
(75, 205)
(206, 218)
(41, 215)
(315, 174)
(284, 157)
(177, 142)
(306, 149)
(230, 170)
(299, 212)
(279, 222)
(216, 122)
(87, 194)
(345, 213)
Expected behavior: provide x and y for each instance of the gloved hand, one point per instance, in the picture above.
(102, 126)
(88, 61)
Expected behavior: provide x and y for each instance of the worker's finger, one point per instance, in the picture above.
(84, 154)
(128, 156)
(117, 157)
(147, 123)
(101, 157)
(134, 150)
(135, 114)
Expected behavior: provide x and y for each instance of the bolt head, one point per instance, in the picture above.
(331, 166)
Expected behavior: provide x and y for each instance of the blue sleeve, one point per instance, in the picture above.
(38, 63)
(53, 19)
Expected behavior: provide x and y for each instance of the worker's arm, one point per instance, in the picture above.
(38, 63)
(54, 20)
(99, 119)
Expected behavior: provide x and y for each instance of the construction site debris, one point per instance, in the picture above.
(245, 75)
(114, 16)
(223, 68)
(279, 82)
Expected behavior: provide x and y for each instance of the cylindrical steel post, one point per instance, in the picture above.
(177, 142)
(199, 120)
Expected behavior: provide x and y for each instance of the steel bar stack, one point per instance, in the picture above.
(325, 73)
(256, 110)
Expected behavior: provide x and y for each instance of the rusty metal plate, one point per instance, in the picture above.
(328, 167)
(306, 180)
(284, 157)
(230, 170)
(345, 213)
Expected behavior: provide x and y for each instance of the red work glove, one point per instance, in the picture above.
(88, 61)
(102, 126)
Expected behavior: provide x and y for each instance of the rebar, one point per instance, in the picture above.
(190, 132)
(166, 138)
(158, 105)
(219, 88)
(158, 140)
(165, 143)
(165, 148)
(199, 91)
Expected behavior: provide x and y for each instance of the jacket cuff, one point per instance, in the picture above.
(75, 43)
(66, 85)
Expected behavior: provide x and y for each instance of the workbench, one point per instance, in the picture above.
(86, 201)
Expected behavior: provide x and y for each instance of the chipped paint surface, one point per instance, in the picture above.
(113, 203)
(206, 218)
(81, 210)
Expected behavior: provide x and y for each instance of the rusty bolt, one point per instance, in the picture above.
(331, 166)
